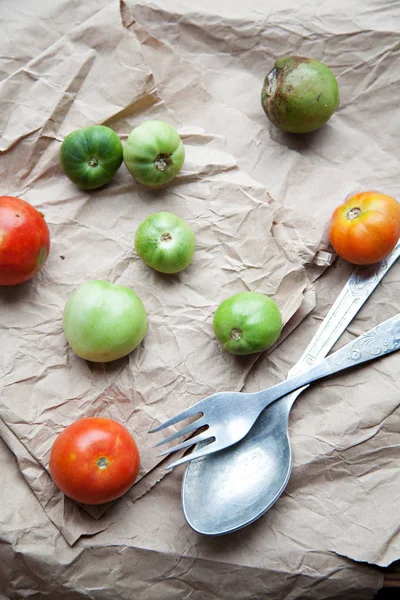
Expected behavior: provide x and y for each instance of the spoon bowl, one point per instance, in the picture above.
(248, 477)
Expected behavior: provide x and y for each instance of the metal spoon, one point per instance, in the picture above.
(228, 490)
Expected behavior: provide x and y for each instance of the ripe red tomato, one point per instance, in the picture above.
(24, 240)
(366, 228)
(94, 460)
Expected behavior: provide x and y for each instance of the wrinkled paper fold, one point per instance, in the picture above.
(259, 201)
(240, 246)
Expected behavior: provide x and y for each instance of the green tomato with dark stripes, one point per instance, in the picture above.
(165, 242)
(247, 322)
(91, 156)
(154, 153)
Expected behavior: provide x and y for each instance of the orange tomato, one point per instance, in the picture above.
(366, 228)
(94, 460)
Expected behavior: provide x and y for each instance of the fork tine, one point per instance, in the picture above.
(194, 440)
(188, 429)
(209, 449)
(189, 412)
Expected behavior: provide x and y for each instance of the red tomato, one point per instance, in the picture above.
(366, 228)
(94, 460)
(24, 240)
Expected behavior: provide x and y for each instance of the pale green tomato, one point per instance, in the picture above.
(165, 242)
(104, 321)
(154, 153)
(247, 322)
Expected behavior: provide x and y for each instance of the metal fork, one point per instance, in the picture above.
(229, 416)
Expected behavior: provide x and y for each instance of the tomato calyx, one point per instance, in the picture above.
(93, 162)
(102, 462)
(166, 237)
(353, 213)
(236, 334)
(162, 162)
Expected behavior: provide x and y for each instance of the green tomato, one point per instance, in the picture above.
(91, 156)
(154, 153)
(165, 242)
(247, 322)
(103, 321)
(299, 94)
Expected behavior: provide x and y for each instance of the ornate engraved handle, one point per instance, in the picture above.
(380, 340)
(357, 290)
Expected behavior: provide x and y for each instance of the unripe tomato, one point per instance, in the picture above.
(366, 228)
(104, 321)
(91, 156)
(247, 322)
(94, 460)
(165, 242)
(154, 153)
(299, 94)
(24, 240)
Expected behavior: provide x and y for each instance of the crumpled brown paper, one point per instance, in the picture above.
(352, 435)
(182, 64)
(229, 48)
(163, 558)
(92, 233)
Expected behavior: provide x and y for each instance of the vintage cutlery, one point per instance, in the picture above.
(227, 490)
(229, 416)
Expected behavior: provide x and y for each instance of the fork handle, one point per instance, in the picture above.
(382, 339)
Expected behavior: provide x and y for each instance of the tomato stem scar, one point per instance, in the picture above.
(166, 237)
(102, 462)
(236, 334)
(162, 161)
(353, 213)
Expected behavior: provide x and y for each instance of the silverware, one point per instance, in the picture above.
(229, 416)
(228, 490)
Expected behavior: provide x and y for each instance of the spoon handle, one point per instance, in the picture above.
(356, 291)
